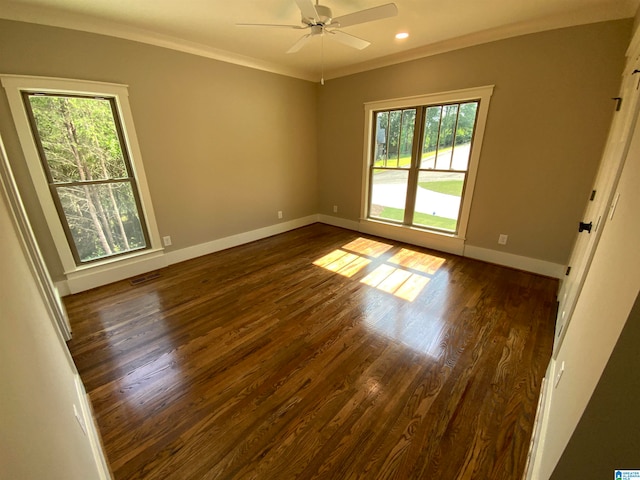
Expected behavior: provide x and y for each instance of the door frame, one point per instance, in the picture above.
(612, 162)
(48, 290)
(554, 371)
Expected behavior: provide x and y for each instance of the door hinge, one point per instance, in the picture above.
(593, 195)
(568, 271)
(585, 226)
(618, 103)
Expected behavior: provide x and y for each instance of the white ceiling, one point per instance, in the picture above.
(208, 27)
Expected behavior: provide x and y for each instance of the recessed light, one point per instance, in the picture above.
(402, 35)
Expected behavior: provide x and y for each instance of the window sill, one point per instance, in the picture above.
(441, 241)
(114, 260)
(100, 273)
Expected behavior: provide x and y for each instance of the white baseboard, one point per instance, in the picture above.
(339, 222)
(213, 246)
(528, 264)
(448, 244)
(90, 428)
(422, 238)
(80, 281)
(62, 288)
(91, 278)
(532, 472)
(442, 243)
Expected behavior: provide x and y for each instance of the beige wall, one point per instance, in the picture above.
(547, 124)
(224, 147)
(40, 437)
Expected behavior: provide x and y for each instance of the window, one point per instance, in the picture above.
(422, 158)
(83, 158)
(89, 174)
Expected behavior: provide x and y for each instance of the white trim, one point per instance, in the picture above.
(452, 245)
(14, 85)
(445, 242)
(85, 280)
(541, 424)
(48, 290)
(633, 50)
(604, 13)
(82, 280)
(461, 95)
(63, 288)
(40, 16)
(235, 240)
(77, 21)
(414, 236)
(449, 244)
(528, 264)
(339, 222)
(92, 431)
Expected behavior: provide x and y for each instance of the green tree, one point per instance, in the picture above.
(87, 170)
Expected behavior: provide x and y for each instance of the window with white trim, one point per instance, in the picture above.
(84, 160)
(422, 158)
(89, 174)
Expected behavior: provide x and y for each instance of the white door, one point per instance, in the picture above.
(601, 200)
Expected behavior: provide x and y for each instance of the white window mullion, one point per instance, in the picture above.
(450, 103)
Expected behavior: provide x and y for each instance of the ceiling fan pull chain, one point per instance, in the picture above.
(322, 58)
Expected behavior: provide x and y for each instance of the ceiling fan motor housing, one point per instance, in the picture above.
(324, 16)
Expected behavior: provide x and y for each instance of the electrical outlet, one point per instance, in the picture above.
(166, 240)
(279, 213)
(335, 209)
(502, 239)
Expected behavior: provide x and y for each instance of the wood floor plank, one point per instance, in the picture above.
(317, 354)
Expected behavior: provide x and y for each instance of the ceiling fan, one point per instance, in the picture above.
(319, 19)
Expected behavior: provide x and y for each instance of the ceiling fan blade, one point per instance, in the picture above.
(347, 39)
(297, 27)
(300, 43)
(368, 15)
(308, 9)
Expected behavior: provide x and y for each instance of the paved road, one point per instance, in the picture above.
(427, 201)
(390, 188)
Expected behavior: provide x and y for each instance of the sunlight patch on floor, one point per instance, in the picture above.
(405, 274)
(344, 263)
(367, 247)
(422, 262)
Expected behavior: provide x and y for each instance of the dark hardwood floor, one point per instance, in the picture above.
(317, 354)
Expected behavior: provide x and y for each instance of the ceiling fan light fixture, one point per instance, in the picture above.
(402, 35)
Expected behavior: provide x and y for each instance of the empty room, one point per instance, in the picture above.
(298, 239)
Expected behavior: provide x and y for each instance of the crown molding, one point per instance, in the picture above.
(625, 11)
(72, 21)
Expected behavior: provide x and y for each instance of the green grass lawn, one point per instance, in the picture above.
(449, 187)
(420, 219)
(404, 162)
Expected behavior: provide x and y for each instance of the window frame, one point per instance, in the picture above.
(15, 86)
(380, 226)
